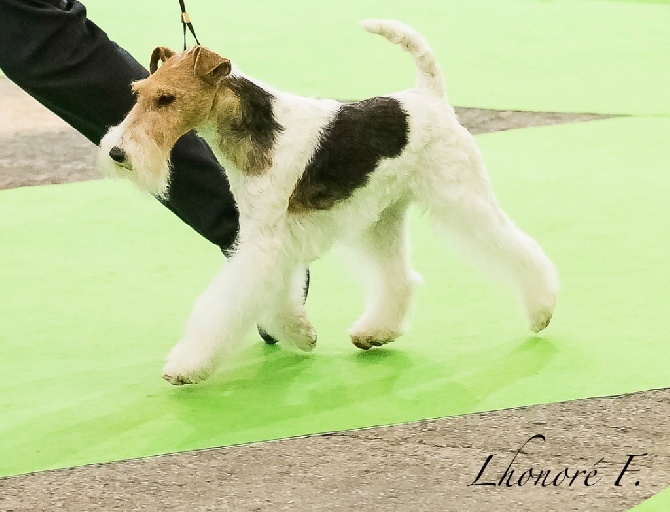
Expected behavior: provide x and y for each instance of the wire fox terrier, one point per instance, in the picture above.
(309, 172)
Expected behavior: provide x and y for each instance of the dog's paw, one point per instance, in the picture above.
(367, 340)
(539, 311)
(539, 302)
(295, 329)
(304, 337)
(182, 367)
(540, 319)
(368, 332)
(178, 376)
(175, 379)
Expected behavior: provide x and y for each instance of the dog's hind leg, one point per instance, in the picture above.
(227, 309)
(383, 255)
(468, 212)
(285, 318)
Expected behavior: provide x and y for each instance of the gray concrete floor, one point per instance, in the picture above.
(426, 466)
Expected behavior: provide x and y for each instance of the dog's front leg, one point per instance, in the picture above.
(226, 310)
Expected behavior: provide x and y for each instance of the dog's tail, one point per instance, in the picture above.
(429, 73)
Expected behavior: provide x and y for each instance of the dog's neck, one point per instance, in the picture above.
(242, 126)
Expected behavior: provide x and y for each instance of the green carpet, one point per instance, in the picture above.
(97, 282)
(658, 503)
(568, 55)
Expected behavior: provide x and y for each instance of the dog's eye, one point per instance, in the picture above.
(165, 99)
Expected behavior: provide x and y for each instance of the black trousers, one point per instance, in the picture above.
(51, 50)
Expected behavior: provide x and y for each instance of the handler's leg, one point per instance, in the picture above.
(54, 52)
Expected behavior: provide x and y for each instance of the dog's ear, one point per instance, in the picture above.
(160, 53)
(209, 66)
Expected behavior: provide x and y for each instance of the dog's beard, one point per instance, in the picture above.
(146, 165)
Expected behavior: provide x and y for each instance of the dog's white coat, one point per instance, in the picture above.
(441, 170)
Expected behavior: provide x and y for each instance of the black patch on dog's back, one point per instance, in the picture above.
(349, 149)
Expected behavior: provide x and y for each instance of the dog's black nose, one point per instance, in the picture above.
(117, 154)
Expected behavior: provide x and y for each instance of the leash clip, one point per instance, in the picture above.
(186, 22)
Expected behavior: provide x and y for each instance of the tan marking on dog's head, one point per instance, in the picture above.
(179, 95)
(189, 90)
(210, 66)
(160, 53)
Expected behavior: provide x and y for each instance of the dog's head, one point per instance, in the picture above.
(177, 97)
